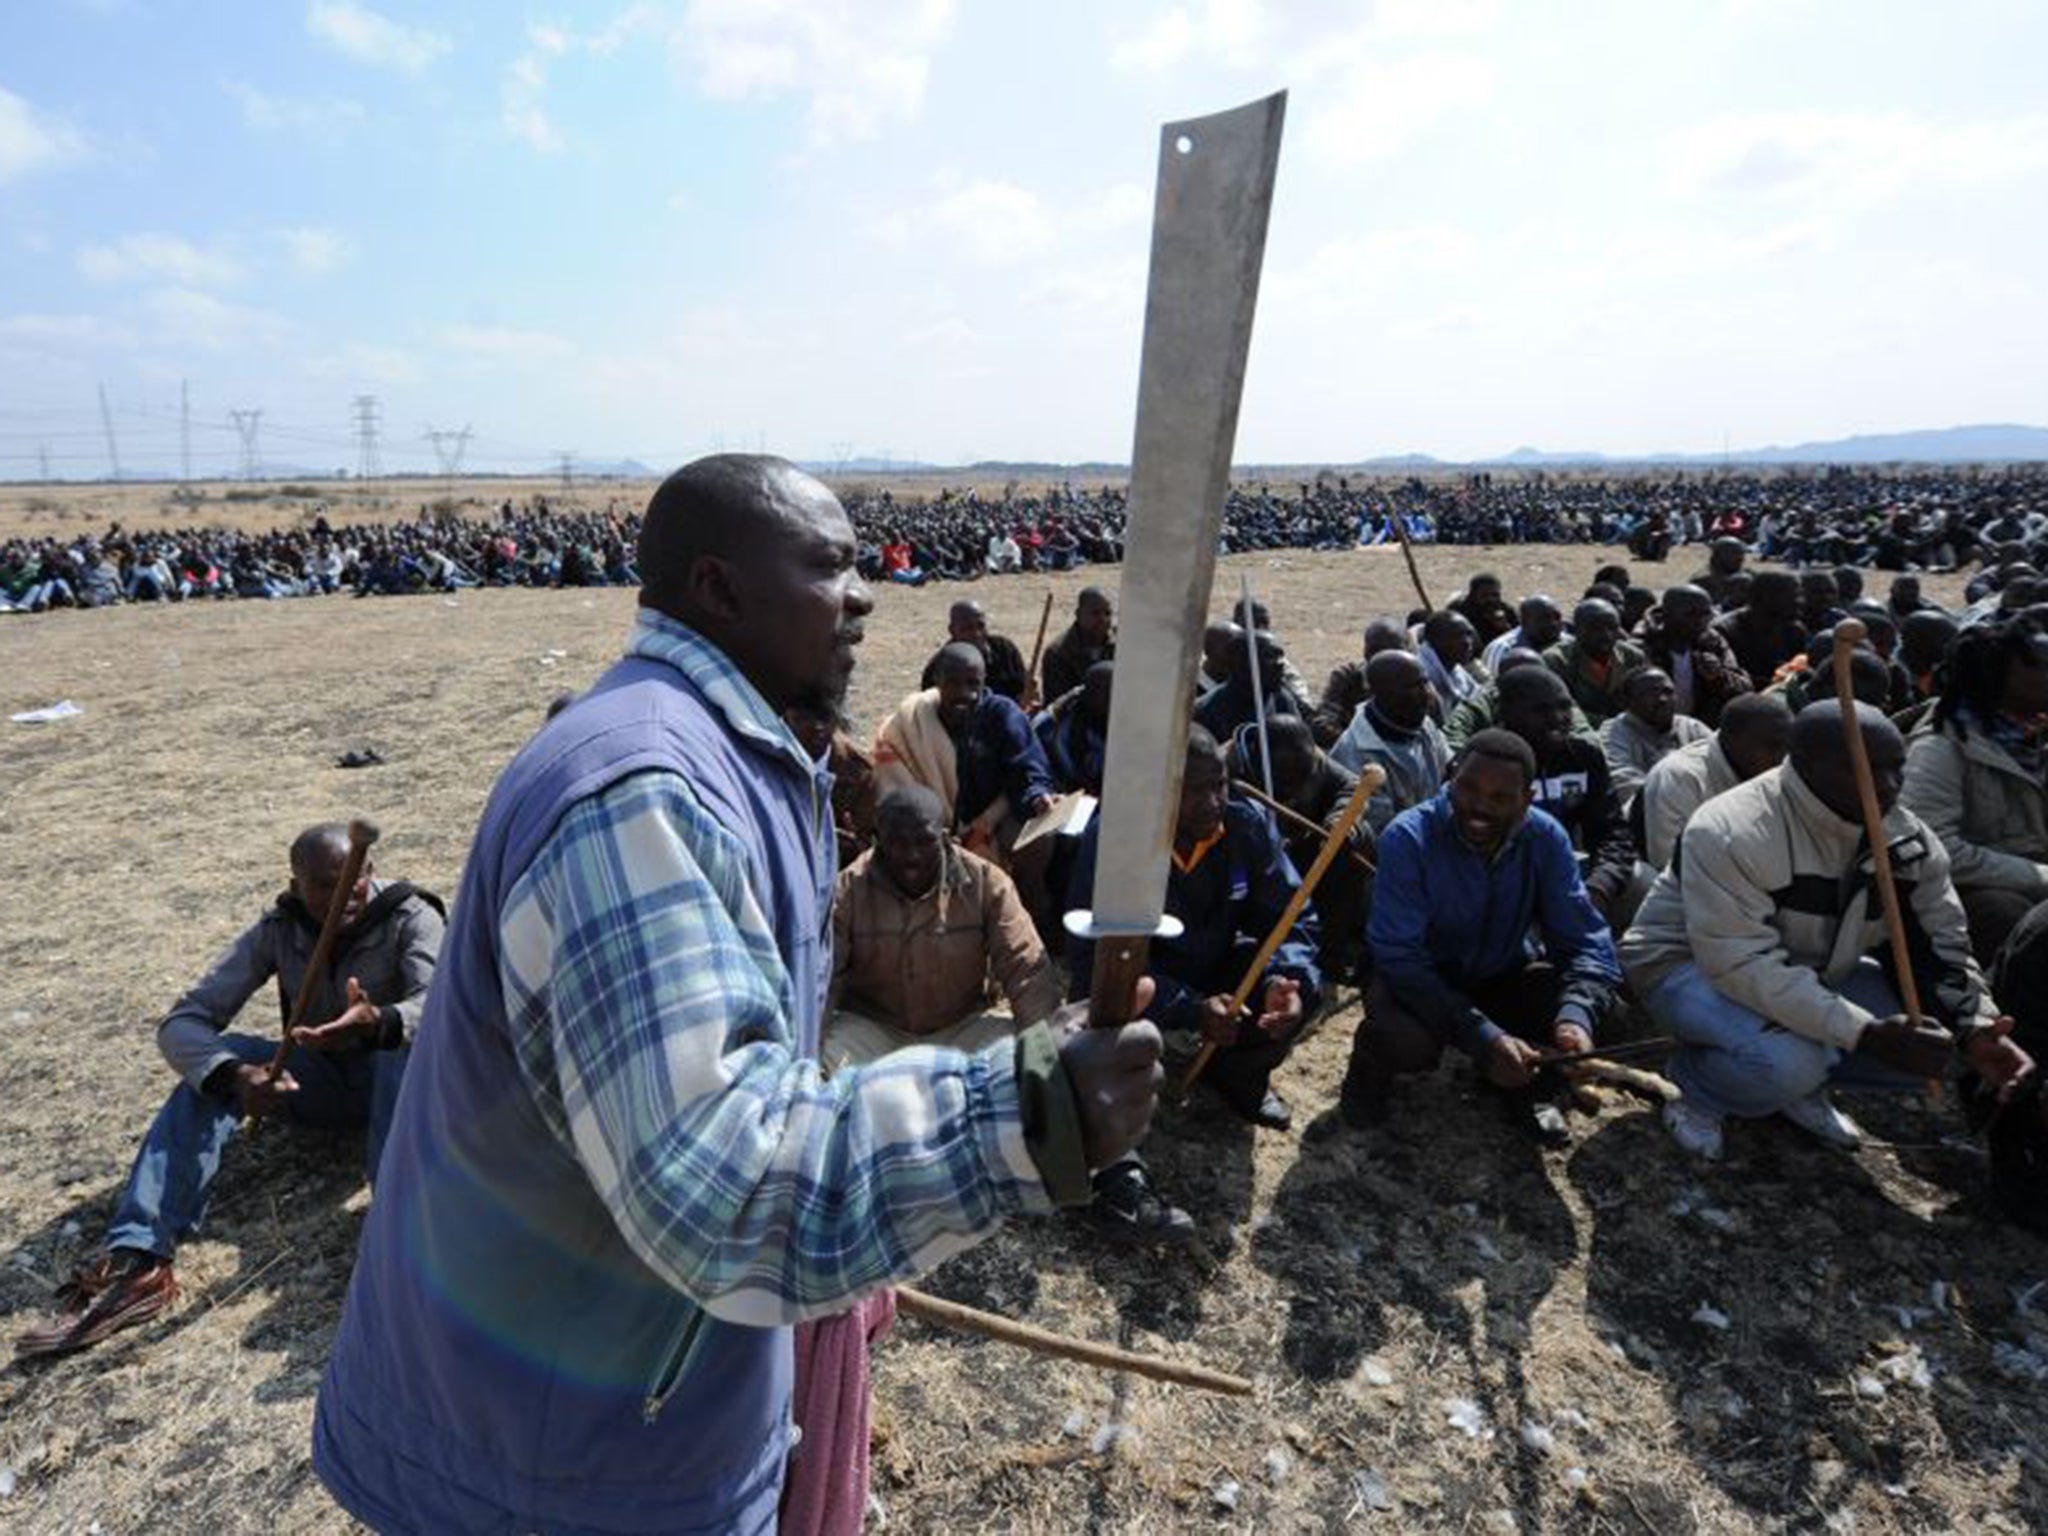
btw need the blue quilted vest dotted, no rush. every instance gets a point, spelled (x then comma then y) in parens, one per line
(504, 1361)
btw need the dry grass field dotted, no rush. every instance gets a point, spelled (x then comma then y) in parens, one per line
(1795, 1340)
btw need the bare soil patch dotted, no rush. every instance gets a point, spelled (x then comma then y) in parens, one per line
(1553, 1301)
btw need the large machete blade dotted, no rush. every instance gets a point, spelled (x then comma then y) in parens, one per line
(1208, 241)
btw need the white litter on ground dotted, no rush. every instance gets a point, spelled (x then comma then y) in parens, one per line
(63, 709)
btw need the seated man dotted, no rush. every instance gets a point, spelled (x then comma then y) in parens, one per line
(342, 1073)
(967, 624)
(1089, 639)
(1074, 731)
(1228, 882)
(1594, 660)
(1541, 627)
(1977, 774)
(1393, 729)
(1482, 710)
(1756, 730)
(1762, 948)
(918, 928)
(1765, 632)
(1573, 785)
(1316, 789)
(1449, 646)
(822, 730)
(1223, 709)
(1648, 730)
(1678, 635)
(1465, 881)
(971, 747)
(1349, 687)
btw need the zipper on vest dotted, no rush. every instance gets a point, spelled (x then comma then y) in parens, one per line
(675, 1364)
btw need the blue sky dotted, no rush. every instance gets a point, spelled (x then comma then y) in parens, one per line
(919, 227)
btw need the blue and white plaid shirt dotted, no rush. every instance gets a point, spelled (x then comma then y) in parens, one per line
(652, 1018)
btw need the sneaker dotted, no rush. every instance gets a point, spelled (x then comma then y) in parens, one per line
(1129, 1210)
(135, 1295)
(1268, 1109)
(1694, 1129)
(1817, 1116)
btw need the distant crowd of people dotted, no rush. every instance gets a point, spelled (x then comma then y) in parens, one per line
(1923, 519)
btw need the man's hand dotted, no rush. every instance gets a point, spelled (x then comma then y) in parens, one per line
(1511, 1063)
(1115, 1074)
(1282, 1006)
(357, 1025)
(1571, 1037)
(1922, 1052)
(1219, 1022)
(1993, 1056)
(1037, 806)
(259, 1094)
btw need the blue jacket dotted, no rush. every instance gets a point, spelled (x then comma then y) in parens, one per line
(1229, 902)
(999, 756)
(1444, 917)
(505, 1360)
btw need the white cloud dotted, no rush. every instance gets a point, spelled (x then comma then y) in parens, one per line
(520, 95)
(293, 114)
(157, 257)
(1256, 35)
(315, 251)
(40, 332)
(1221, 31)
(863, 64)
(31, 142)
(1379, 108)
(1844, 160)
(998, 221)
(184, 317)
(370, 37)
(505, 344)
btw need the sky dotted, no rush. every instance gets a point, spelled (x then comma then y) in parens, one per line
(918, 229)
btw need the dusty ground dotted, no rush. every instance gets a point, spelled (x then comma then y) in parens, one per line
(1560, 1295)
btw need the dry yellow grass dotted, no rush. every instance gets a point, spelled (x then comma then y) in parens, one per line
(1364, 1292)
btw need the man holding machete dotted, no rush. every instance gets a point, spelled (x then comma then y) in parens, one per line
(618, 1177)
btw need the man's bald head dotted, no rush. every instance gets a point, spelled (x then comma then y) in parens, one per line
(324, 842)
(959, 659)
(717, 506)
(1386, 635)
(910, 807)
(1821, 757)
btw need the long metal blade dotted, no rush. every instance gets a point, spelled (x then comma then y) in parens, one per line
(1208, 242)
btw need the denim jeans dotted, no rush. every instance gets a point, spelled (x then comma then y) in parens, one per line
(1731, 1061)
(167, 1188)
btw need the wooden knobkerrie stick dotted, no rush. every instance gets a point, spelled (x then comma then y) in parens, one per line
(950, 1314)
(1287, 813)
(1848, 635)
(1370, 778)
(361, 834)
(1408, 553)
(1037, 651)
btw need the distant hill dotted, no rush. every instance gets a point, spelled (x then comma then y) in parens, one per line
(1987, 444)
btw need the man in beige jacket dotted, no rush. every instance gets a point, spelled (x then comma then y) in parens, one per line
(1759, 948)
(919, 927)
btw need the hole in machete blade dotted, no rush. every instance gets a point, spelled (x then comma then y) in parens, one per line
(1185, 144)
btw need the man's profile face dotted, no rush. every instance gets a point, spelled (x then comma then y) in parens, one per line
(1489, 798)
(1542, 625)
(1832, 775)
(798, 590)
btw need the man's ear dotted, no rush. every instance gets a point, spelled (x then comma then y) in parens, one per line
(714, 589)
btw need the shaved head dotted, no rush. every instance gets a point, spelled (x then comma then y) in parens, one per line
(1821, 757)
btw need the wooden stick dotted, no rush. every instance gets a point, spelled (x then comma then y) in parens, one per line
(1622, 1052)
(950, 1314)
(1848, 635)
(1030, 701)
(1251, 656)
(1288, 813)
(361, 834)
(1370, 778)
(1408, 553)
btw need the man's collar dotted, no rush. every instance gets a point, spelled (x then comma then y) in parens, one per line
(658, 637)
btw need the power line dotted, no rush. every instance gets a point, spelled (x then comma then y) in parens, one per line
(449, 446)
(368, 465)
(184, 432)
(567, 459)
(248, 424)
(107, 425)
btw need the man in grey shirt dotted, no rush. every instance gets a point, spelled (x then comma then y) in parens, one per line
(339, 1074)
